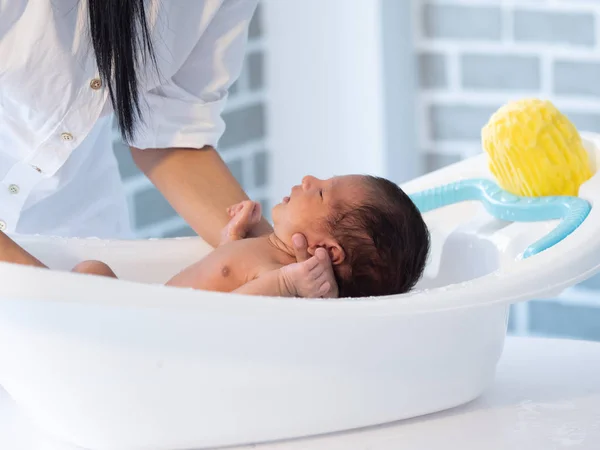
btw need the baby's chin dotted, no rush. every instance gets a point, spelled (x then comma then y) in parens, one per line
(276, 213)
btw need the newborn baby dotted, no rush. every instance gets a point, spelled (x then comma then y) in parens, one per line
(374, 235)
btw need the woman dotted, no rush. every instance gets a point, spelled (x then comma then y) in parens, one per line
(162, 67)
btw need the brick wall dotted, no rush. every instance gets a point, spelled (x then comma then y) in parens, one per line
(242, 147)
(474, 56)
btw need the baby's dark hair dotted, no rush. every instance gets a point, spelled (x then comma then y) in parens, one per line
(385, 240)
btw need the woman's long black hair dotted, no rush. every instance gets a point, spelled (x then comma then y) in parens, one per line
(121, 39)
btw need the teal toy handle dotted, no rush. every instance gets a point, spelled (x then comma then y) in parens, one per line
(572, 211)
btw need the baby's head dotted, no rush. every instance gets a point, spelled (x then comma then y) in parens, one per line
(374, 234)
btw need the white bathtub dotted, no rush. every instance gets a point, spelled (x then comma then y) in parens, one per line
(130, 365)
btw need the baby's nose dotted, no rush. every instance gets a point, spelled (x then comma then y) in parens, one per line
(308, 181)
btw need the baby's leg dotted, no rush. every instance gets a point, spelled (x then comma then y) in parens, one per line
(94, 268)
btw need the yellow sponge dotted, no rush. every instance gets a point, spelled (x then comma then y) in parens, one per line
(534, 150)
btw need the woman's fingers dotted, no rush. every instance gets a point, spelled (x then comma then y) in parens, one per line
(300, 247)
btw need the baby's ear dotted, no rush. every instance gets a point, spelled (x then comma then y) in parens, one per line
(311, 249)
(334, 250)
(336, 253)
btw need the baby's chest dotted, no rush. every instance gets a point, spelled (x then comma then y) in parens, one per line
(224, 270)
(240, 266)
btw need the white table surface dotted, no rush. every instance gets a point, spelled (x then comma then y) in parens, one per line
(546, 396)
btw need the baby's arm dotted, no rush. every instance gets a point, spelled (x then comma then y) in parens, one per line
(303, 279)
(270, 284)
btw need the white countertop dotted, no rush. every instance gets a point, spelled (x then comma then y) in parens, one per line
(546, 396)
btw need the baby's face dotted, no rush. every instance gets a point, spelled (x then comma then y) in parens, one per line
(311, 203)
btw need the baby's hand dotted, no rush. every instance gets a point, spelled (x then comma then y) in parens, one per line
(310, 278)
(243, 216)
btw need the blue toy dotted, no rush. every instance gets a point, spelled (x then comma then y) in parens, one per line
(572, 211)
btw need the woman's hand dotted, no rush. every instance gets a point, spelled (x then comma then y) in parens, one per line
(310, 276)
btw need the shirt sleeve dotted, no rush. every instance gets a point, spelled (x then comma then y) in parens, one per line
(185, 110)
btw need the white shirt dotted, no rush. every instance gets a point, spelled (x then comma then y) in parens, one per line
(58, 173)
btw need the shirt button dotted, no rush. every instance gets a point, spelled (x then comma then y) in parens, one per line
(2, 225)
(13, 189)
(96, 84)
(66, 137)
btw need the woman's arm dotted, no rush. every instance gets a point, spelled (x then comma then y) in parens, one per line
(12, 252)
(182, 119)
(199, 186)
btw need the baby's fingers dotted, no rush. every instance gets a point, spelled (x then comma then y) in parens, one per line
(244, 212)
(234, 209)
(323, 256)
(326, 264)
(324, 289)
(311, 264)
(256, 213)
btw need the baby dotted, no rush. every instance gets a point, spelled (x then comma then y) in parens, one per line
(374, 235)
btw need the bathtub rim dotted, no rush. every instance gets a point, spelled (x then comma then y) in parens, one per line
(544, 274)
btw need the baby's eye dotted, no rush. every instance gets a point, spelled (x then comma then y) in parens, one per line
(321, 192)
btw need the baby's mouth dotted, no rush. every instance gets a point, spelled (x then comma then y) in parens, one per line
(286, 199)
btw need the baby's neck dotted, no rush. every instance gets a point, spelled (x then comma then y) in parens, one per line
(282, 252)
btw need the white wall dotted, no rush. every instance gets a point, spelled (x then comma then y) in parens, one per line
(326, 88)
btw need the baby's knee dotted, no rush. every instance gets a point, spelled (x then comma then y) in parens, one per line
(92, 267)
